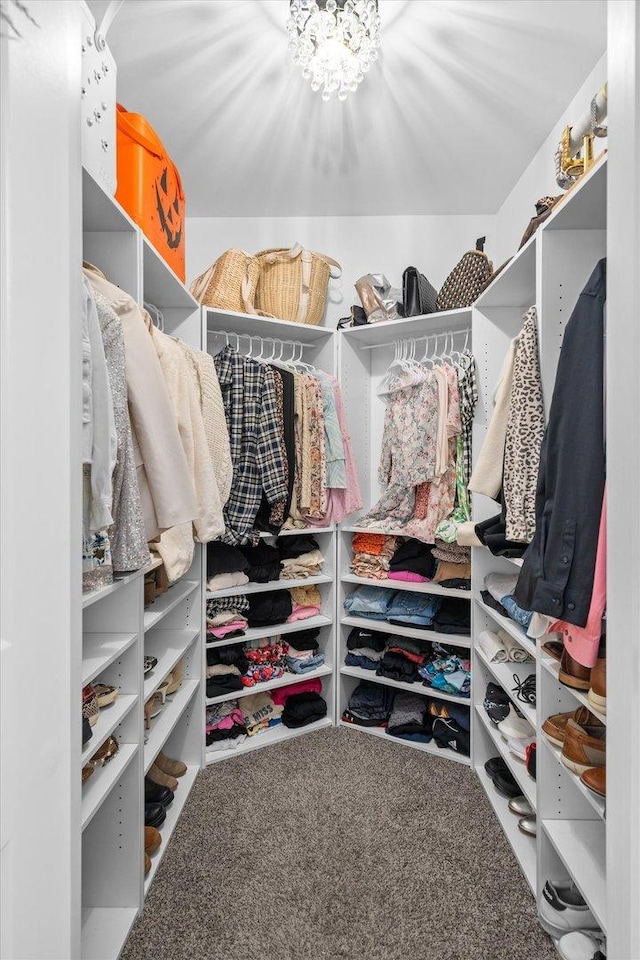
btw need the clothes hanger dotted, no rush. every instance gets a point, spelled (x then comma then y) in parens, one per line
(156, 315)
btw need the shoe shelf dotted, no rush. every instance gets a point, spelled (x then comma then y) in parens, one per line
(516, 766)
(168, 646)
(163, 724)
(552, 667)
(302, 531)
(93, 596)
(97, 788)
(99, 650)
(581, 845)
(361, 674)
(271, 585)
(262, 633)
(167, 601)
(598, 803)
(109, 718)
(267, 738)
(181, 796)
(429, 588)
(523, 846)
(503, 674)
(105, 931)
(510, 627)
(443, 752)
(289, 678)
(383, 626)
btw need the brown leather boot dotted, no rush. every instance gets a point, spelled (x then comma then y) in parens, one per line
(583, 748)
(173, 768)
(147, 864)
(152, 840)
(156, 774)
(596, 779)
(597, 695)
(573, 674)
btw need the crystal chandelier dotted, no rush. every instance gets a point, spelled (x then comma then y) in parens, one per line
(335, 42)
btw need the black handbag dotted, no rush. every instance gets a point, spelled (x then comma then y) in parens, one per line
(418, 296)
(357, 318)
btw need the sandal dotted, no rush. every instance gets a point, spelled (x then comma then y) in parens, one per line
(87, 771)
(106, 694)
(106, 752)
(150, 663)
(176, 677)
(90, 706)
(152, 708)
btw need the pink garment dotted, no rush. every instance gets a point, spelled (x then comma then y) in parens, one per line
(407, 576)
(341, 501)
(282, 694)
(582, 643)
(303, 613)
(227, 628)
(236, 716)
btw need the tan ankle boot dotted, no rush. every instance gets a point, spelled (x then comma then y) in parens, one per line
(157, 775)
(174, 768)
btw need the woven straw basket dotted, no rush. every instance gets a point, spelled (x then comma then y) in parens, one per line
(230, 283)
(293, 284)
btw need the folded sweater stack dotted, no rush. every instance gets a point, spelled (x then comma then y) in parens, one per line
(226, 566)
(372, 553)
(412, 562)
(300, 557)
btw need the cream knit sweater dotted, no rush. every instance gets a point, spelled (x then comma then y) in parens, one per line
(487, 474)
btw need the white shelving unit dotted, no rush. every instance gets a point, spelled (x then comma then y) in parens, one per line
(118, 631)
(549, 271)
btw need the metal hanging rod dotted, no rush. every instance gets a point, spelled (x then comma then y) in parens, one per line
(228, 335)
(400, 340)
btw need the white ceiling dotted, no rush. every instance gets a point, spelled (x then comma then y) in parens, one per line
(463, 94)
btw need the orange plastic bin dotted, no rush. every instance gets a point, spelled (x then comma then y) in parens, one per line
(150, 188)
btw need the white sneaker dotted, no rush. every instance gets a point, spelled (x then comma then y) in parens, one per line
(518, 746)
(582, 946)
(562, 909)
(514, 726)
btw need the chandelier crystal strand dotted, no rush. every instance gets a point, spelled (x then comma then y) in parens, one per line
(334, 42)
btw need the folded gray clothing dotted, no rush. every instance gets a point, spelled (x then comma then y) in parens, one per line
(371, 701)
(408, 710)
(500, 585)
(368, 652)
(410, 644)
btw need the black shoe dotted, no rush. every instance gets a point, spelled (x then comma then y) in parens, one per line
(154, 815)
(496, 703)
(526, 689)
(156, 793)
(494, 766)
(506, 785)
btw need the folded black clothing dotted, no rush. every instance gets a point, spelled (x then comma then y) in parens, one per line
(296, 546)
(304, 639)
(357, 721)
(414, 557)
(410, 714)
(453, 616)
(263, 562)
(456, 583)
(230, 656)
(266, 609)
(223, 684)
(359, 637)
(492, 533)
(303, 708)
(448, 734)
(232, 733)
(371, 701)
(414, 626)
(396, 667)
(491, 601)
(223, 558)
(461, 715)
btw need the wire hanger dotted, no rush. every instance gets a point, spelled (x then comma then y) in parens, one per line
(156, 315)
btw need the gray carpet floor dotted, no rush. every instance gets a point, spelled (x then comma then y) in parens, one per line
(338, 846)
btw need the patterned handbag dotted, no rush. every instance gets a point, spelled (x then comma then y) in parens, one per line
(464, 283)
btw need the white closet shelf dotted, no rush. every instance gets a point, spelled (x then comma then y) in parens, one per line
(419, 688)
(516, 766)
(302, 531)
(168, 646)
(430, 588)
(516, 561)
(585, 205)
(97, 788)
(99, 650)
(399, 532)
(516, 285)
(553, 667)
(431, 748)
(287, 680)
(510, 627)
(162, 726)
(383, 626)
(94, 595)
(153, 565)
(162, 286)
(266, 587)
(523, 846)
(262, 633)
(246, 323)
(598, 803)
(101, 213)
(581, 845)
(185, 783)
(110, 717)
(167, 601)
(373, 334)
(503, 673)
(267, 738)
(105, 930)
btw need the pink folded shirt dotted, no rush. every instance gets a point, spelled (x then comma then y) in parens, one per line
(227, 628)
(282, 694)
(236, 716)
(408, 576)
(303, 613)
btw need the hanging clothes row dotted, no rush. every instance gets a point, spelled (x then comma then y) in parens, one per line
(292, 461)
(157, 461)
(426, 442)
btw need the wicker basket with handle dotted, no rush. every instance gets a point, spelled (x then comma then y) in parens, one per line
(293, 284)
(230, 283)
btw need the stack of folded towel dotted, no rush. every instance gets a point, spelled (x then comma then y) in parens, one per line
(500, 647)
(300, 557)
(372, 554)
